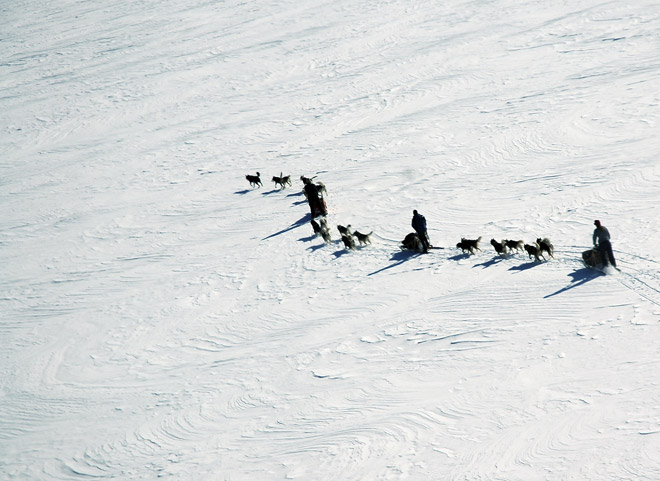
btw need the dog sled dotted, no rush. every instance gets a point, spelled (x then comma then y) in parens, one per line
(412, 242)
(592, 259)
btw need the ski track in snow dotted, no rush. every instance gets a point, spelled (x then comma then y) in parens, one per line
(162, 319)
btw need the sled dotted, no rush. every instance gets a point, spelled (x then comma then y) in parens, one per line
(592, 260)
(412, 243)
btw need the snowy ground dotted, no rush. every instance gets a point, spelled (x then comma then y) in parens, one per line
(161, 319)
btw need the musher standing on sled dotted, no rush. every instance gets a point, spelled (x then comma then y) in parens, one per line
(601, 240)
(419, 224)
(315, 199)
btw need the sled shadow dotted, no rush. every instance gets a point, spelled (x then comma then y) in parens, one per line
(399, 258)
(304, 220)
(578, 278)
(490, 263)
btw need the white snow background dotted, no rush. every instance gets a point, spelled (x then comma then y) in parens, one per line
(161, 319)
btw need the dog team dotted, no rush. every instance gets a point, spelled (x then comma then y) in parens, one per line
(315, 193)
(419, 241)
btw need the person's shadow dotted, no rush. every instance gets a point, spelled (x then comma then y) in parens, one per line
(578, 278)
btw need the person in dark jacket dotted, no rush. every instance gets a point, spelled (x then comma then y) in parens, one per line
(419, 224)
(315, 199)
(601, 240)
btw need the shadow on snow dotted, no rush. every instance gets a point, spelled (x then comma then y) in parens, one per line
(525, 266)
(578, 278)
(400, 257)
(490, 263)
(302, 221)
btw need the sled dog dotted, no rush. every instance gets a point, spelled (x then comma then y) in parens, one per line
(534, 251)
(500, 247)
(546, 246)
(469, 245)
(282, 181)
(254, 180)
(512, 245)
(363, 239)
(348, 241)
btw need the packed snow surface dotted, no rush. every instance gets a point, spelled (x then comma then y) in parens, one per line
(162, 319)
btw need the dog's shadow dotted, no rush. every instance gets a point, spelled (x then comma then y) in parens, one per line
(398, 258)
(578, 278)
(243, 192)
(460, 257)
(341, 252)
(308, 239)
(274, 191)
(525, 266)
(490, 263)
(316, 247)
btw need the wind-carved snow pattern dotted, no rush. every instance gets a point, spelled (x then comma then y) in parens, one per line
(161, 318)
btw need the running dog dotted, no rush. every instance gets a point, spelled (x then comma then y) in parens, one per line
(348, 241)
(344, 230)
(500, 247)
(325, 230)
(469, 245)
(282, 180)
(254, 180)
(512, 245)
(534, 251)
(306, 180)
(316, 226)
(363, 239)
(321, 228)
(546, 246)
(320, 186)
